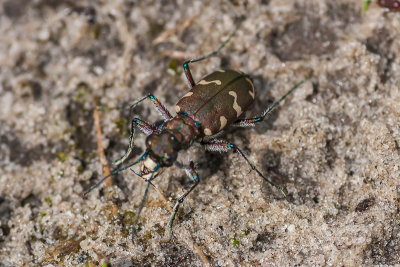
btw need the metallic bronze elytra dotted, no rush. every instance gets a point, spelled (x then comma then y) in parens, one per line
(211, 105)
(217, 100)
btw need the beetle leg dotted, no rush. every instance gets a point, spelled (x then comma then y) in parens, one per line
(192, 173)
(160, 107)
(115, 171)
(250, 122)
(224, 146)
(145, 128)
(142, 125)
(186, 68)
(143, 199)
(208, 138)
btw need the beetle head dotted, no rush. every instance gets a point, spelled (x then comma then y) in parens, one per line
(163, 148)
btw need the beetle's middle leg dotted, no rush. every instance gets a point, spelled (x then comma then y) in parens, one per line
(224, 146)
(145, 127)
(186, 68)
(250, 122)
(192, 173)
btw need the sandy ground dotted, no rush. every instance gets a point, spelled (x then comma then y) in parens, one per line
(333, 144)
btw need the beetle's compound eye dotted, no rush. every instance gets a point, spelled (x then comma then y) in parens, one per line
(150, 140)
(172, 140)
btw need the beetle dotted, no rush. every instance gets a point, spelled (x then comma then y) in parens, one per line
(391, 4)
(214, 103)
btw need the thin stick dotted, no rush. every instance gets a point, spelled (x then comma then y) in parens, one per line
(201, 254)
(103, 159)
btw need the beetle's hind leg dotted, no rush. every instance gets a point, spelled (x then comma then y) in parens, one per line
(252, 121)
(145, 127)
(186, 68)
(192, 173)
(224, 146)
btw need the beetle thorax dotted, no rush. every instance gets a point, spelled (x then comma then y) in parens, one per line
(184, 128)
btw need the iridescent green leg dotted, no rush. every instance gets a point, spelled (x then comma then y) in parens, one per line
(143, 199)
(160, 107)
(142, 125)
(115, 171)
(186, 68)
(191, 172)
(250, 122)
(145, 128)
(224, 146)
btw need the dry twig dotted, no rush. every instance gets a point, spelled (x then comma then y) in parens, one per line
(103, 159)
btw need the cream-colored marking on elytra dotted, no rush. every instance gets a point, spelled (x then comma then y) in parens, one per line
(235, 104)
(204, 82)
(220, 70)
(252, 88)
(207, 131)
(251, 94)
(188, 94)
(223, 121)
(177, 109)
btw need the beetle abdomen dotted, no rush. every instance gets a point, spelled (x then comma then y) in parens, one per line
(218, 100)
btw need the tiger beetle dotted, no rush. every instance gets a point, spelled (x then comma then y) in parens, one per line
(212, 104)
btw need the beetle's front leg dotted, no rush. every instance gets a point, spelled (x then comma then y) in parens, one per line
(145, 127)
(159, 106)
(224, 146)
(142, 125)
(192, 173)
(149, 182)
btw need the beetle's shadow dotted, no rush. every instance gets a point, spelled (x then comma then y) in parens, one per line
(271, 165)
(210, 163)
